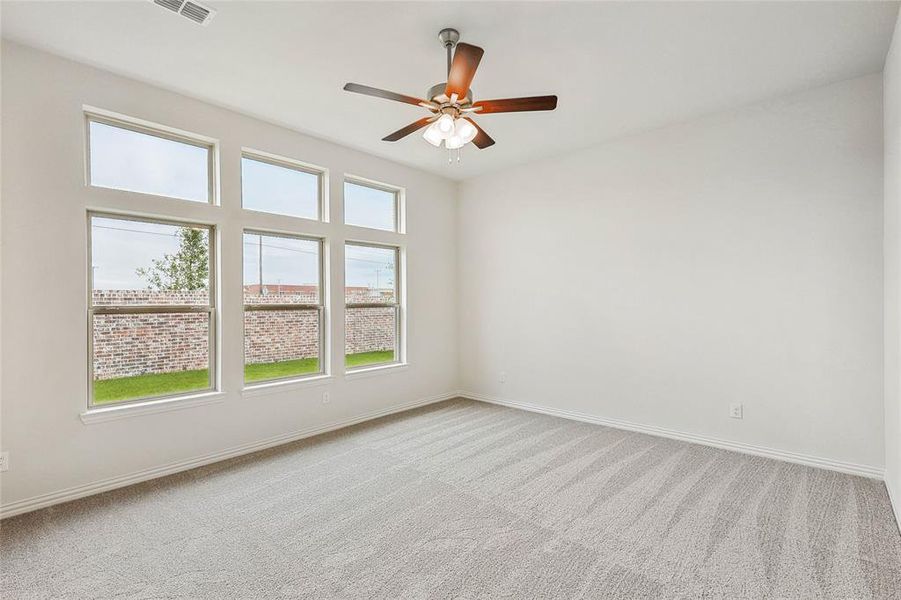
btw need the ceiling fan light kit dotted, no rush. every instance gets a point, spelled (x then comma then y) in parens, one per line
(451, 103)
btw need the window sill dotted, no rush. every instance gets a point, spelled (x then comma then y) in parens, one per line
(364, 372)
(111, 413)
(275, 387)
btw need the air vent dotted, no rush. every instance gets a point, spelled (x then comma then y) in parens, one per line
(173, 5)
(193, 11)
(197, 13)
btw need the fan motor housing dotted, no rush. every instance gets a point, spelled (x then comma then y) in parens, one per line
(436, 95)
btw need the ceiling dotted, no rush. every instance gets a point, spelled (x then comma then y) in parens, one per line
(617, 67)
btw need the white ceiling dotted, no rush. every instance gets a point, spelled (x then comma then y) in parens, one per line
(617, 67)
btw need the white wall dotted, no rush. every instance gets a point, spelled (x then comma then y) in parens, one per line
(655, 279)
(44, 283)
(661, 277)
(892, 103)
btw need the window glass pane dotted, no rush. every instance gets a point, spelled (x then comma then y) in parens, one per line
(139, 263)
(280, 344)
(123, 159)
(149, 354)
(369, 274)
(280, 270)
(369, 207)
(280, 190)
(370, 335)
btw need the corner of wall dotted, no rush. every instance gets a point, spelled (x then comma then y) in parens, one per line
(458, 278)
(892, 269)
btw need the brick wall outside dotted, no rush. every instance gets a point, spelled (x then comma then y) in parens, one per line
(271, 335)
(137, 344)
(149, 343)
(368, 329)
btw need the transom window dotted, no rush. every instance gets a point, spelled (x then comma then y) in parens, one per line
(283, 309)
(370, 205)
(280, 187)
(372, 310)
(128, 157)
(151, 309)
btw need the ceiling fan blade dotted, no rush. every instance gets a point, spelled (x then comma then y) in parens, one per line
(463, 69)
(405, 131)
(516, 104)
(482, 140)
(371, 91)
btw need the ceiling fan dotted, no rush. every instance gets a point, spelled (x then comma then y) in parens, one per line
(451, 102)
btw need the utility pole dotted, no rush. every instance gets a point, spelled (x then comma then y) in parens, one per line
(260, 262)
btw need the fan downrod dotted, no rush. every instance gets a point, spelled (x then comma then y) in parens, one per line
(449, 38)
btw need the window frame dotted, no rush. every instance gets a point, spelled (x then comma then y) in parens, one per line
(321, 309)
(399, 202)
(92, 115)
(210, 309)
(397, 305)
(275, 160)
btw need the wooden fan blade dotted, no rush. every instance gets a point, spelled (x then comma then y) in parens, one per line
(405, 131)
(516, 104)
(371, 91)
(463, 69)
(482, 140)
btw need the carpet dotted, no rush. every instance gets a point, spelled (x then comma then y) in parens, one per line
(468, 500)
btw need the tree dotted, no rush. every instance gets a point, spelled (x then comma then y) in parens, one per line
(186, 270)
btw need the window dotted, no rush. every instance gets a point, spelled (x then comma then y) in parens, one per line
(372, 311)
(279, 187)
(135, 159)
(369, 205)
(283, 310)
(151, 309)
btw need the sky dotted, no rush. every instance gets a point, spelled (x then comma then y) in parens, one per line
(128, 160)
(120, 247)
(270, 188)
(369, 207)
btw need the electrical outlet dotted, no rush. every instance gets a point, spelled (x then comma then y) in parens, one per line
(502, 377)
(325, 398)
(736, 411)
(4, 461)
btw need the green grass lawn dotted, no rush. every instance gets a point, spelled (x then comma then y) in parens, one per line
(162, 384)
(368, 358)
(278, 370)
(157, 384)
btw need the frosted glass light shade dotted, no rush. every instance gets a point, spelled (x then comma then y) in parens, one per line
(465, 130)
(432, 135)
(445, 125)
(454, 142)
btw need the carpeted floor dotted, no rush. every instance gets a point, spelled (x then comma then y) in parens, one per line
(468, 500)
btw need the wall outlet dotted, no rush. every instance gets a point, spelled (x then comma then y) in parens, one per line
(502, 377)
(736, 411)
(325, 398)
(4, 461)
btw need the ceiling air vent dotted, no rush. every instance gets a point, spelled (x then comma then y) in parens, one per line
(193, 11)
(197, 13)
(173, 5)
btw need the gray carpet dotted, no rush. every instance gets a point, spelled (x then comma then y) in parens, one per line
(468, 500)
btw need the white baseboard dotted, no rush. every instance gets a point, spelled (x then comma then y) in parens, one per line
(794, 457)
(73, 493)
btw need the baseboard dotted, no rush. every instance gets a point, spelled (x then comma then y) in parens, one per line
(803, 459)
(73, 493)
